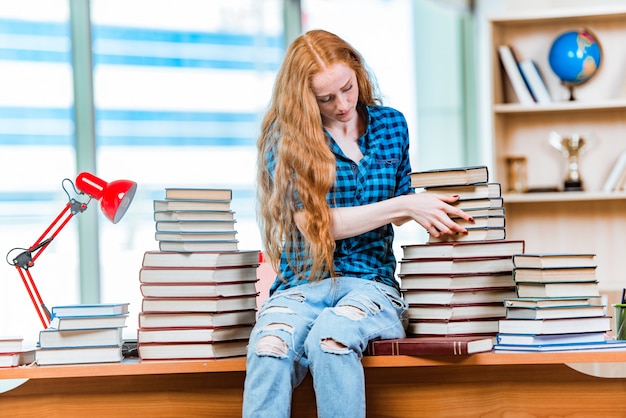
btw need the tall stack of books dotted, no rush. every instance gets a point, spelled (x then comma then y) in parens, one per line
(456, 285)
(12, 352)
(199, 290)
(557, 307)
(83, 333)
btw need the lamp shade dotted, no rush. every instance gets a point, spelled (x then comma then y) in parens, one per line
(114, 197)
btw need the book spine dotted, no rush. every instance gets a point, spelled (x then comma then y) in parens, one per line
(514, 75)
(397, 348)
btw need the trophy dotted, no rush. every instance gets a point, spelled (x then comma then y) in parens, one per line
(571, 147)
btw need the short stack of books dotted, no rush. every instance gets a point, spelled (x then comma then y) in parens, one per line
(199, 297)
(12, 352)
(84, 333)
(195, 219)
(456, 285)
(557, 307)
(477, 196)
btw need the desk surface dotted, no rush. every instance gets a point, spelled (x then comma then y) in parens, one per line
(131, 367)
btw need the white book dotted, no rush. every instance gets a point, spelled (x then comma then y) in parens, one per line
(514, 75)
(534, 81)
(612, 180)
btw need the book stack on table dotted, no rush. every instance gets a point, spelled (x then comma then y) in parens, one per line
(199, 300)
(12, 352)
(456, 285)
(84, 333)
(558, 307)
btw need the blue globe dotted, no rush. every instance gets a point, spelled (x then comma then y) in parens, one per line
(575, 57)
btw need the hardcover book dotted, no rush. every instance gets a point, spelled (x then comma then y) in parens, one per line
(189, 290)
(552, 275)
(193, 335)
(603, 345)
(457, 297)
(451, 328)
(198, 246)
(456, 249)
(196, 304)
(481, 222)
(149, 320)
(457, 312)
(534, 81)
(197, 274)
(456, 265)
(475, 191)
(479, 203)
(196, 226)
(554, 260)
(555, 312)
(190, 204)
(430, 346)
(90, 309)
(54, 338)
(18, 358)
(450, 176)
(194, 215)
(220, 236)
(198, 193)
(11, 343)
(79, 355)
(539, 339)
(446, 281)
(191, 351)
(514, 75)
(564, 289)
(201, 259)
(84, 322)
(555, 326)
(473, 234)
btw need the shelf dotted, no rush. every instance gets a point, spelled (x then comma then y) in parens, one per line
(560, 107)
(561, 197)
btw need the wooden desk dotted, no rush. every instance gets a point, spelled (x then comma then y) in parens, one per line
(486, 385)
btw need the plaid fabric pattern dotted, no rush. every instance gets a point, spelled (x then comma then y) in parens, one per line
(382, 173)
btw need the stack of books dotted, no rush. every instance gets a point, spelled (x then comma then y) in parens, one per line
(83, 333)
(557, 307)
(456, 286)
(199, 299)
(12, 352)
(477, 196)
(195, 219)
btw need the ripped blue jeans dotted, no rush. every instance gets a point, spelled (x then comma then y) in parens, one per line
(323, 327)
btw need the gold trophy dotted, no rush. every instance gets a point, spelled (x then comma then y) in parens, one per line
(571, 147)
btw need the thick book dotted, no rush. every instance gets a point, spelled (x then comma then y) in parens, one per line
(198, 193)
(473, 234)
(457, 312)
(538, 339)
(555, 326)
(197, 274)
(457, 281)
(556, 274)
(564, 289)
(456, 249)
(11, 343)
(201, 259)
(554, 260)
(54, 338)
(479, 203)
(190, 290)
(196, 236)
(196, 304)
(79, 355)
(148, 320)
(198, 246)
(542, 302)
(18, 358)
(456, 265)
(464, 327)
(196, 226)
(430, 346)
(450, 176)
(480, 212)
(191, 351)
(85, 322)
(534, 81)
(514, 75)
(582, 311)
(595, 346)
(194, 215)
(90, 309)
(474, 191)
(457, 297)
(190, 204)
(193, 335)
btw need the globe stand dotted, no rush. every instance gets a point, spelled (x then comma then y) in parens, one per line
(570, 88)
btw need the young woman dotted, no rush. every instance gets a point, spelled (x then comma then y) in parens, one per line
(333, 176)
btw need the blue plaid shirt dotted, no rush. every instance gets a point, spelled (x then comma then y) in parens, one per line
(382, 173)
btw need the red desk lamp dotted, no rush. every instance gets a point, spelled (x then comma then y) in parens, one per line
(115, 198)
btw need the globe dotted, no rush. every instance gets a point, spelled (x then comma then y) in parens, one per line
(575, 57)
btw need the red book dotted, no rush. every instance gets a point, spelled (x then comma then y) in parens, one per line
(430, 346)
